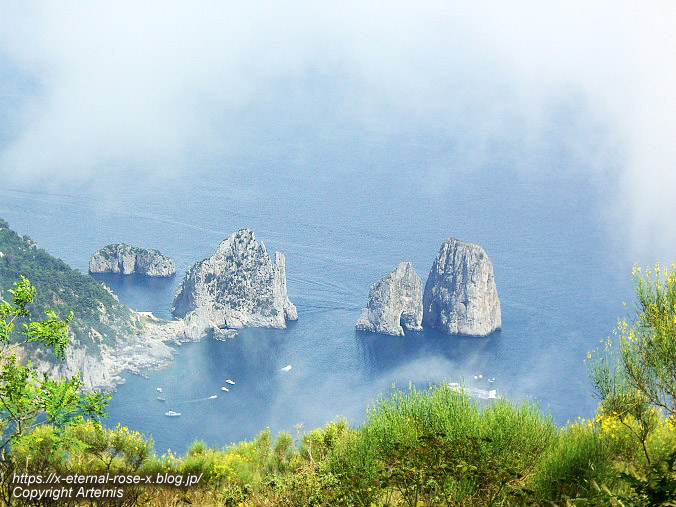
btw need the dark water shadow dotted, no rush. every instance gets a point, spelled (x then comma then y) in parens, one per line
(142, 293)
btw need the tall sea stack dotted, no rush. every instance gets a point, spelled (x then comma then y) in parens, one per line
(395, 303)
(460, 296)
(239, 286)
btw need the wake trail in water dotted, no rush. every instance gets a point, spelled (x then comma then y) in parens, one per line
(167, 402)
(47, 198)
(335, 305)
(323, 285)
(196, 400)
(33, 193)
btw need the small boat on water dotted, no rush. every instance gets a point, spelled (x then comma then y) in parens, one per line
(159, 398)
(232, 382)
(286, 368)
(159, 389)
(484, 394)
(213, 397)
(224, 389)
(171, 413)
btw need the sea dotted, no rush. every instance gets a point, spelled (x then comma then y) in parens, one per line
(345, 210)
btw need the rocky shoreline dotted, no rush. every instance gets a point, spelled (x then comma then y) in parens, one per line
(152, 349)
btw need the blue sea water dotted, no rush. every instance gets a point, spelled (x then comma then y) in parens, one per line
(344, 217)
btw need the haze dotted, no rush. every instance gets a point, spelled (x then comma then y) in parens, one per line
(93, 93)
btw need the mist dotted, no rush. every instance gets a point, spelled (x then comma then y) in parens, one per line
(96, 93)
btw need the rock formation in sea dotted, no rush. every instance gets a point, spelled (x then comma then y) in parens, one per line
(105, 337)
(127, 260)
(460, 295)
(395, 302)
(239, 286)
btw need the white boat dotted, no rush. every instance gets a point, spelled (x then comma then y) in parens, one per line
(159, 398)
(213, 397)
(224, 389)
(483, 394)
(232, 382)
(286, 368)
(491, 380)
(159, 389)
(171, 413)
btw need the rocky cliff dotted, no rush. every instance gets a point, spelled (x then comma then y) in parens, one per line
(394, 301)
(101, 365)
(239, 286)
(127, 260)
(106, 337)
(460, 295)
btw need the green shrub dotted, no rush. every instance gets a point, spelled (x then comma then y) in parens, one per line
(319, 443)
(439, 446)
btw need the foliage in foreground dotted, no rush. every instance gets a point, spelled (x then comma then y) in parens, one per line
(417, 448)
(435, 447)
(28, 398)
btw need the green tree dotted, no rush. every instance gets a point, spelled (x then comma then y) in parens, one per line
(635, 378)
(638, 371)
(648, 352)
(29, 398)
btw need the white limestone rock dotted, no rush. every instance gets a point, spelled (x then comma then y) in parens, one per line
(126, 260)
(223, 334)
(394, 301)
(460, 294)
(148, 346)
(239, 286)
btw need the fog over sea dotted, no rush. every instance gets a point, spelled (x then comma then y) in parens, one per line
(560, 285)
(349, 137)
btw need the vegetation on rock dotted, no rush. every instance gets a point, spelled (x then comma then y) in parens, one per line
(99, 317)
